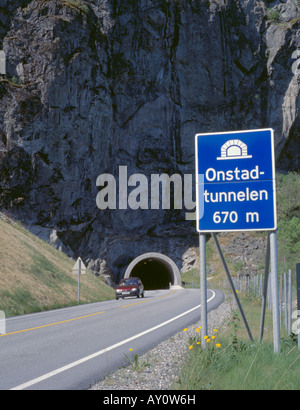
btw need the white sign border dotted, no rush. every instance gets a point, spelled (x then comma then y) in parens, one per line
(273, 182)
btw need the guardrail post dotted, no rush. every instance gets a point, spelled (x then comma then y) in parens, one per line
(275, 291)
(290, 303)
(298, 301)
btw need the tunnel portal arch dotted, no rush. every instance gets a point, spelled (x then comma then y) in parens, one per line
(156, 271)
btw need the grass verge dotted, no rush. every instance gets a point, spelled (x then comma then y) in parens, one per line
(34, 276)
(229, 361)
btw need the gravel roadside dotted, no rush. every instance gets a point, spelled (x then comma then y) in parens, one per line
(159, 368)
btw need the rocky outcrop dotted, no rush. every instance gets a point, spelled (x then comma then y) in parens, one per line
(97, 84)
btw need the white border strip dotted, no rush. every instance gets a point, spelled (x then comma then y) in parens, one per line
(199, 230)
(100, 352)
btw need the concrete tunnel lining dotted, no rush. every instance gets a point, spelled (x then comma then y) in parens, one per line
(155, 270)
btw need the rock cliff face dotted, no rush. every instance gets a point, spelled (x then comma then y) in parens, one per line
(97, 84)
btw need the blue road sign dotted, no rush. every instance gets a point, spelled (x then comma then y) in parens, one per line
(235, 181)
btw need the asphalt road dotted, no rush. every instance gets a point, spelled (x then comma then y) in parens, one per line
(72, 348)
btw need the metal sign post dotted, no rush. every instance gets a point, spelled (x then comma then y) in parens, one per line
(265, 292)
(271, 256)
(236, 192)
(203, 287)
(79, 268)
(79, 273)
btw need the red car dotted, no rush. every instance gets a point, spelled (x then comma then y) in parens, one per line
(130, 287)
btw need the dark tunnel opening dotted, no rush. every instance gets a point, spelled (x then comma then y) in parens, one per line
(153, 273)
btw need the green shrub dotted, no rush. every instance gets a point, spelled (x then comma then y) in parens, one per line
(273, 15)
(77, 4)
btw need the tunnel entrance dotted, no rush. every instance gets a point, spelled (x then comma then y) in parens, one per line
(156, 271)
(153, 274)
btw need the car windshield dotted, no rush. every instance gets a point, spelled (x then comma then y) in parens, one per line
(129, 282)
